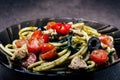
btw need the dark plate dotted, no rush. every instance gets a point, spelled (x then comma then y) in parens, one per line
(11, 33)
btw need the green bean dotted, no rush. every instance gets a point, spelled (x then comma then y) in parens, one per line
(91, 64)
(78, 39)
(62, 52)
(80, 52)
(91, 31)
(25, 34)
(40, 62)
(59, 44)
(14, 43)
(21, 35)
(6, 51)
(87, 56)
(85, 34)
(10, 48)
(35, 64)
(49, 65)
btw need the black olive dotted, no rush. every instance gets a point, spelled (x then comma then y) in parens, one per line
(94, 43)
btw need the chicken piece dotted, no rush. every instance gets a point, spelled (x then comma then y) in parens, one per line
(19, 54)
(77, 63)
(49, 32)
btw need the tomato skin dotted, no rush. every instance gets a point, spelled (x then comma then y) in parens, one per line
(20, 42)
(34, 45)
(50, 55)
(62, 29)
(37, 33)
(45, 38)
(106, 40)
(59, 24)
(30, 60)
(46, 47)
(99, 56)
(68, 26)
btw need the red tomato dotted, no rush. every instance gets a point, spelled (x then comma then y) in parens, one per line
(51, 25)
(59, 24)
(45, 38)
(106, 40)
(20, 42)
(49, 55)
(34, 45)
(37, 33)
(30, 60)
(62, 29)
(99, 56)
(68, 26)
(46, 47)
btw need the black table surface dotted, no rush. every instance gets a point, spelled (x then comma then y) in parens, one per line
(16, 11)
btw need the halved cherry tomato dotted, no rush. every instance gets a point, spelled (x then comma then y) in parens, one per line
(59, 24)
(20, 42)
(106, 40)
(36, 40)
(34, 45)
(99, 56)
(62, 29)
(46, 47)
(37, 33)
(68, 26)
(50, 55)
(45, 38)
(30, 60)
(51, 24)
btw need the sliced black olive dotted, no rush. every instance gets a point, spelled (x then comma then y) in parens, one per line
(94, 43)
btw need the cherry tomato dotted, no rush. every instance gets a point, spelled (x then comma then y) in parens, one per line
(34, 45)
(59, 24)
(106, 40)
(51, 25)
(46, 47)
(50, 55)
(62, 29)
(30, 60)
(20, 42)
(99, 56)
(68, 26)
(45, 38)
(37, 33)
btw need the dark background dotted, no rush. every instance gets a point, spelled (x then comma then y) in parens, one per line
(106, 11)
